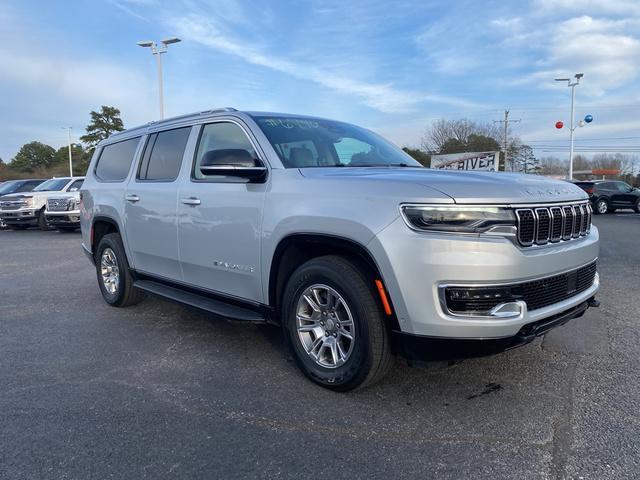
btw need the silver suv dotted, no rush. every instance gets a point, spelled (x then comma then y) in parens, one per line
(326, 229)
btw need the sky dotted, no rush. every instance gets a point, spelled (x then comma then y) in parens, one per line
(391, 66)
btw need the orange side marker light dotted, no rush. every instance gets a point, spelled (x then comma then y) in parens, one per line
(383, 297)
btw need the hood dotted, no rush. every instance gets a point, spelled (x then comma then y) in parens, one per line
(66, 195)
(16, 196)
(468, 187)
(37, 195)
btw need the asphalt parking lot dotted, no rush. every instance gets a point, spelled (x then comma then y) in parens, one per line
(160, 391)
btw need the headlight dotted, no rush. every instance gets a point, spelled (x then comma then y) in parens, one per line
(456, 218)
(73, 204)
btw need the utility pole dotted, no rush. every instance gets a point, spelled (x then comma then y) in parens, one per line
(506, 136)
(68, 129)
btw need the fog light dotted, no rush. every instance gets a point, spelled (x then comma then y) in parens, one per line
(482, 301)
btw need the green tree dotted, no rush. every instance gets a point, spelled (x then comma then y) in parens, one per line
(525, 161)
(473, 143)
(102, 125)
(33, 155)
(77, 156)
(482, 143)
(423, 157)
(453, 145)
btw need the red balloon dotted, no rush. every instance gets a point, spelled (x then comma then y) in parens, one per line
(559, 125)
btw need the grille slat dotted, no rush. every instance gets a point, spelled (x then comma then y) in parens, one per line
(543, 217)
(552, 224)
(556, 223)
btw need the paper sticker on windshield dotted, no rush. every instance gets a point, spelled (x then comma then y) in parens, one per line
(291, 123)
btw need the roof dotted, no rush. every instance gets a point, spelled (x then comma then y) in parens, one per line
(142, 129)
(189, 118)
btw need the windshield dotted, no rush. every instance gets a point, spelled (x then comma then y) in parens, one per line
(8, 187)
(52, 185)
(311, 142)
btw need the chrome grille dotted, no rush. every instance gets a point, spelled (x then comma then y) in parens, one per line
(542, 225)
(12, 204)
(57, 204)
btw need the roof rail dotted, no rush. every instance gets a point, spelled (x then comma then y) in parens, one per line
(216, 110)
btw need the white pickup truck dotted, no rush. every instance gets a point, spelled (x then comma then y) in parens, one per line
(27, 209)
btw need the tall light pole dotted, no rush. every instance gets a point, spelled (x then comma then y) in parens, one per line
(158, 51)
(572, 84)
(68, 129)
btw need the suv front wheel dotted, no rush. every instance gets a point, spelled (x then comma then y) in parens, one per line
(335, 325)
(114, 276)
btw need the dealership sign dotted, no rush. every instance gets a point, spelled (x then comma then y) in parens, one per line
(466, 161)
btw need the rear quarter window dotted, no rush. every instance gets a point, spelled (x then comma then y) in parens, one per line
(115, 160)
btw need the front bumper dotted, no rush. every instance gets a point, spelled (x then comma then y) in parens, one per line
(415, 265)
(422, 348)
(65, 218)
(21, 216)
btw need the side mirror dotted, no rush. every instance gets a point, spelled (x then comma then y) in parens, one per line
(233, 162)
(74, 189)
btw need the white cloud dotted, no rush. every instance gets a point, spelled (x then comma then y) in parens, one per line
(381, 96)
(607, 51)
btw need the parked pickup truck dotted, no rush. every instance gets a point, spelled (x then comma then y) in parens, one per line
(16, 186)
(348, 244)
(23, 210)
(63, 211)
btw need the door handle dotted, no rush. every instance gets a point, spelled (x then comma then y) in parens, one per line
(190, 201)
(132, 198)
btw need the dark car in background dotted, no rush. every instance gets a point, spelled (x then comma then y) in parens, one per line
(18, 186)
(608, 195)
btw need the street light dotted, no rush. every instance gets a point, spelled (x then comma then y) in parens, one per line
(573, 85)
(68, 129)
(158, 51)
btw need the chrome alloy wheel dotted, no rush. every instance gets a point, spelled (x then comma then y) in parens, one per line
(602, 207)
(109, 271)
(325, 326)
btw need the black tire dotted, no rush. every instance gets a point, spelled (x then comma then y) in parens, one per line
(125, 294)
(370, 357)
(42, 220)
(601, 206)
(637, 206)
(18, 227)
(67, 229)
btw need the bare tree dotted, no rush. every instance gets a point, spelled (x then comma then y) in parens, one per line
(553, 166)
(443, 131)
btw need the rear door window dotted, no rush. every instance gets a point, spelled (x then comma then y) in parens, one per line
(115, 160)
(163, 155)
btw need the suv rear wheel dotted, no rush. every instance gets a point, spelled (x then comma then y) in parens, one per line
(114, 276)
(334, 324)
(637, 206)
